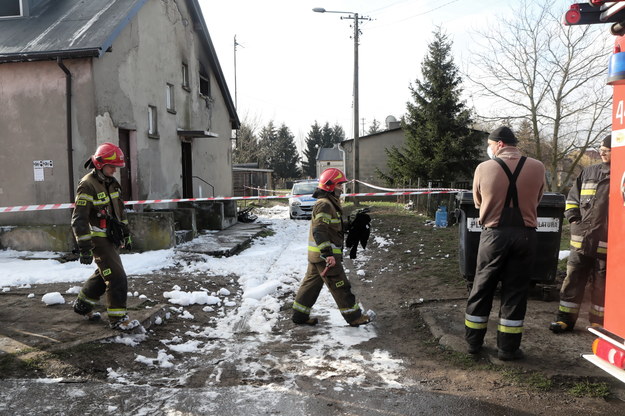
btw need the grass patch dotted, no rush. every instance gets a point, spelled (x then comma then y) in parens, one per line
(534, 380)
(586, 388)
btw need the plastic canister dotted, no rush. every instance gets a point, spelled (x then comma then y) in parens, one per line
(441, 216)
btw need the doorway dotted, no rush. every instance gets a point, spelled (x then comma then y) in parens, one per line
(187, 171)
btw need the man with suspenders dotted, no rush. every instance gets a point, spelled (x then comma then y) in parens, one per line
(506, 190)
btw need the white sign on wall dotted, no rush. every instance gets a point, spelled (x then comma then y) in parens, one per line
(38, 166)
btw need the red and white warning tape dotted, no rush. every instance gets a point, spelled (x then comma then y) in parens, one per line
(44, 207)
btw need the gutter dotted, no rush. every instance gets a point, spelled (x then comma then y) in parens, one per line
(70, 145)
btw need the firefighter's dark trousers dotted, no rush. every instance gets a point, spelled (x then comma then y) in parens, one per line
(109, 279)
(339, 287)
(581, 269)
(505, 254)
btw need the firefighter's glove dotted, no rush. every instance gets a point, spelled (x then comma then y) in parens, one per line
(127, 244)
(86, 256)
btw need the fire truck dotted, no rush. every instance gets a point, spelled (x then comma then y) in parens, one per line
(609, 346)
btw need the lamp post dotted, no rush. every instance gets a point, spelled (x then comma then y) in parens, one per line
(352, 16)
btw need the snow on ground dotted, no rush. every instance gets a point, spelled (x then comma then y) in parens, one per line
(267, 273)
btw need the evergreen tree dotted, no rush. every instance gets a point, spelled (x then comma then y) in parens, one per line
(285, 156)
(268, 138)
(319, 137)
(332, 135)
(313, 143)
(247, 149)
(278, 151)
(439, 145)
(374, 127)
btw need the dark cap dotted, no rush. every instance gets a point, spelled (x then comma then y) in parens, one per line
(504, 134)
(607, 141)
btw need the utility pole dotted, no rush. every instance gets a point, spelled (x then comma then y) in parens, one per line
(235, 71)
(356, 160)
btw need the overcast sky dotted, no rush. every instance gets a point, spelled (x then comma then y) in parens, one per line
(295, 66)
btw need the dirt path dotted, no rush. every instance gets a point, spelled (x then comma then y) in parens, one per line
(408, 276)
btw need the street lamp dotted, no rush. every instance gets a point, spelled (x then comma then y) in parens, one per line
(352, 16)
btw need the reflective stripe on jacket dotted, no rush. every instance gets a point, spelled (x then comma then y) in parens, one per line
(95, 192)
(325, 237)
(587, 202)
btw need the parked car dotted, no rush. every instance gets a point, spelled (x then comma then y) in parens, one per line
(301, 206)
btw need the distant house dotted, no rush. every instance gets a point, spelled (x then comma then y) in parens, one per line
(372, 155)
(142, 74)
(330, 157)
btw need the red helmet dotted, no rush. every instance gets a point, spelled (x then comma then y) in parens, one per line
(108, 154)
(330, 178)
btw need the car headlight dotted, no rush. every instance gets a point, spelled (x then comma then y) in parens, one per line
(296, 203)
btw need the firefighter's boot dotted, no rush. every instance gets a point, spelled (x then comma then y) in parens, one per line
(559, 327)
(86, 310)
(361, 320)
(124, 323)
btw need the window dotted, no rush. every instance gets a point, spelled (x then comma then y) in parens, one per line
(169, 98)
(205, 89)
(185, 77)
(152, 122)
(11, 8)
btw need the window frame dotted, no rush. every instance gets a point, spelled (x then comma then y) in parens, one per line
(170, 98)
(153, 122)
(204, 79)
(185, 77)
(21, 11)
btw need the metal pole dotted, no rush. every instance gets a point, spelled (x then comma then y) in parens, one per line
(356, 129)
(235, 71)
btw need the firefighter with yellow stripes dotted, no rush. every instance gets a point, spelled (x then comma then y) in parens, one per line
(506, 190)
(101, 228)
(587, 211)
(325, 255)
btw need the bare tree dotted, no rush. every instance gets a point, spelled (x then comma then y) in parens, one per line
(532, 68)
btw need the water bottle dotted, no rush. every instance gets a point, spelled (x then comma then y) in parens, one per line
(441, 216)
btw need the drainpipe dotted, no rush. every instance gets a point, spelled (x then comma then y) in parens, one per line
(68, 97)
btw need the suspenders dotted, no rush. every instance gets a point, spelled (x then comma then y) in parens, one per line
(511, 215)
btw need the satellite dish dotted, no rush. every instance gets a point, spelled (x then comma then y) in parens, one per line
(389, 120)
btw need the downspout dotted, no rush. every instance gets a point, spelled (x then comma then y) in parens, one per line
(70, 145)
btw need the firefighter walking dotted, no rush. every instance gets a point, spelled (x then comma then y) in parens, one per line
(101, 228)
(587, 211)
(325, 256)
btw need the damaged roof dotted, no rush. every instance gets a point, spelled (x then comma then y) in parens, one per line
(65, 28)
(69, 29)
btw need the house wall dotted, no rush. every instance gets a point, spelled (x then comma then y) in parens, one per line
(372, 155)
(144, 58)
(327, 164)
(33, 126)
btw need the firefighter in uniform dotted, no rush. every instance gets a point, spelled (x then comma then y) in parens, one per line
(587, 211)
(101, 228)
(325, 255)
(506, 190)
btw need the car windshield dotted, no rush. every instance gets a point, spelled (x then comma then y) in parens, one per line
(304, 188)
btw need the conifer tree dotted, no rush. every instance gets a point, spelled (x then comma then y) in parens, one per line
(313, 143)
(247, 149)
(279, 152)
(285, 156)
(440, 145)
(319, 137)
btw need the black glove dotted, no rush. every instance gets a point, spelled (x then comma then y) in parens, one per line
(86, 256)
